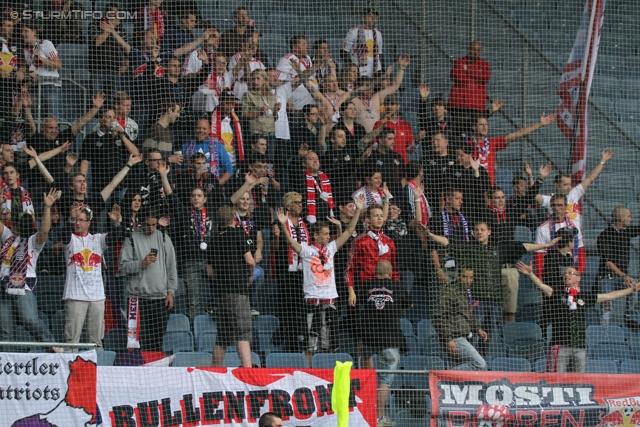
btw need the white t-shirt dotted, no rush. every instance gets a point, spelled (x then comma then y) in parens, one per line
(47, 51)
(543, 233)
(33, 251)
(283, 93)
(348, 46)
(370, 197)
(84, 267)
(301, 95)
(573, 205)
(319, 280)
(240, 83)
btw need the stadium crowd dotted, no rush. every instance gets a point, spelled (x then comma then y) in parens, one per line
(216, 177)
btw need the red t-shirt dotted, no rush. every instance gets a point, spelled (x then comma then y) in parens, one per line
(485, 153)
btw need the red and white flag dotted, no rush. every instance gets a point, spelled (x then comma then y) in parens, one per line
(575, 85)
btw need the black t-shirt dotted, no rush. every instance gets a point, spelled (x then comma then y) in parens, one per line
(93, 202)
(615, 246)
(340, 165)
(473, 192)
(384, 302)
(186, 181)
(437, 174)
(226, 257)
(56, 164)
(107, 156)
(359, 132)
(570, 326)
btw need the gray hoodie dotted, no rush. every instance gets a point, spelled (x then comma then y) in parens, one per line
(157, 280)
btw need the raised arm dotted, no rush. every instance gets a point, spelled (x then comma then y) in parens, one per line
(526, 270)
(163, 170)
(344, 237)
(595, 172)
(41, 167)
(395, 85)
(619, 294)
(249, 183)
(544, 121)
(188, 47)
(282, 218)
(98, 101)
(106, 191)
(45, 227)
(363, 144)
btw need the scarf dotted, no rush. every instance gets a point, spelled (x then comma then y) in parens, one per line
(212, 79)
(424, 203)
(382, 248)
(576, 240)
(448, 226)
(293, 259)
(572, 294)
(552, 358)
(501, 214)
(396, 227)
(153, 20)
(18, 264)
(214, 156)
(216, 123)
(133, 324)
(370, 197)
(362, 51)
(325, 194)
(481, 151)
(324, 257)
(5, 208)
(246, 224)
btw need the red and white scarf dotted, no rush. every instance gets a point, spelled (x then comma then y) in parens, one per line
(382, 248)
(500, 213)
(424, 203)
(312, 192)
(133, 324)
(154, 21)
(216, 131)
(5, 208)
(293, 259)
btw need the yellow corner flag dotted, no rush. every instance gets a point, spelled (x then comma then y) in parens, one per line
(340, 392)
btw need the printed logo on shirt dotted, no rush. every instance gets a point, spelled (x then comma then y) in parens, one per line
(380, 300)
(318, 271)
(86, 260)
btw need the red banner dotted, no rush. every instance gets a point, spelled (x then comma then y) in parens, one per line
(487, 399)
(135, 397)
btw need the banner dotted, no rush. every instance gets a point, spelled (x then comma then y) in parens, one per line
(575, 85)
(135, 397)
(488, 399)
(39, 390)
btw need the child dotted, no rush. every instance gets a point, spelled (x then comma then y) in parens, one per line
(320, 293)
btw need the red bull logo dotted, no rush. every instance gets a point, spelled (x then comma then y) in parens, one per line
(573, 210)
(622, 412)
(86, 259)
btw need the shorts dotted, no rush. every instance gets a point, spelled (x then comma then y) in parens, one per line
(510, 286)
(319, 321)
(388, 359)
(233, 318)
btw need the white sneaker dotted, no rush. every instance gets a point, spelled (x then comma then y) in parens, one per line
(255, 313)
(386, 422)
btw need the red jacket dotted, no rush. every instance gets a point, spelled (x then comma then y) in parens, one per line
(363, 257)
(404, 136)
(469, 88)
